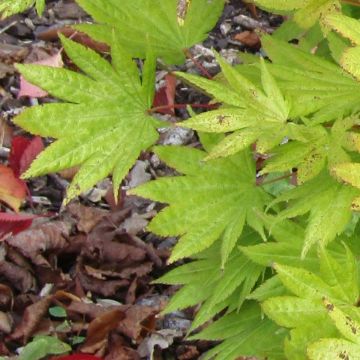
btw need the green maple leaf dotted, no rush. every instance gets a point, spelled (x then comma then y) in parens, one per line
(215, 198)
(250, 113)
(155, 24)
(306, 12)
(323, 148)
(314, 86)
(102, 124)
(244, 333)
(329, 204)
(221, 288)
(350, 29)
(11, 7)
(304, 312)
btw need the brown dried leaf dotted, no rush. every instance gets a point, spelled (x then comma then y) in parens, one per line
(139, 321)
(248, 38)
(104, 288)
(6, 296)
(87, 216)
(119, 351)
(6, 322)
(99, 329)
(19, 277)
(32, 317)
(33, 243)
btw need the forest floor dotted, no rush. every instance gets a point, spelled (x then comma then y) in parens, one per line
(93, 258)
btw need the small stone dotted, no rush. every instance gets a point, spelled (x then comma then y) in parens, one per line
(138, 174)
(225, 27)
(177, 136)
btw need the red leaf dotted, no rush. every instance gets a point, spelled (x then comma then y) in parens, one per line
(23, 152)
(14, 223)
(77, 357)
(165, 96)
(12, 189)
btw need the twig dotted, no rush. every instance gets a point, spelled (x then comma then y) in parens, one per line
(189, 55)
(275, 180)
(182, 106)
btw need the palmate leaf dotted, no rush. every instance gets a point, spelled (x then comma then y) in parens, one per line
(323, 148)
(11, 7)
(143, 24)
(314, 86)
(305, 313)
(102, 124)
(221, 289)
(306, 12)
(215, 198)
(329, 204)
(251, 113)
(244, 333)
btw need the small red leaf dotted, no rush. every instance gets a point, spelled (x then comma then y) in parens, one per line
(77, 357)
(23, 152)
(14, 223)
(165, 96)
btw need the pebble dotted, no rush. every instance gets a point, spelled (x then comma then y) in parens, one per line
(225, 27)
(176, 136)
(249, 23)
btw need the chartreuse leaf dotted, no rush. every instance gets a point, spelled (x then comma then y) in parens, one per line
(313, 85)
(335, 348)
(251, 113)
(102, 125)
(307, 12)
(322, 148)
(304, 312)
(11, 7)
(215, 199)
(246, 333)
(155, 24)
(220, 288)
(350, 29)
(329, 204)
(42, 346)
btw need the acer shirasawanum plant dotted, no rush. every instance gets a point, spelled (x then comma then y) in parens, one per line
(278, 261)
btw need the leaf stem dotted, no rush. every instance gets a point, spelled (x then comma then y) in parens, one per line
(275, 180)
(182, 106)
(189, 55)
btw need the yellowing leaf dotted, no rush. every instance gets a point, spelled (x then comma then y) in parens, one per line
(348, 172)
(102, 124)
(306, 12)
